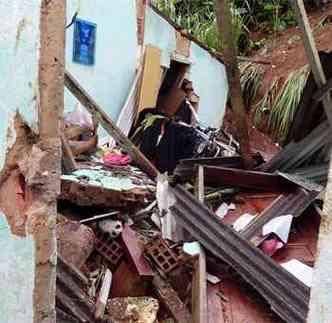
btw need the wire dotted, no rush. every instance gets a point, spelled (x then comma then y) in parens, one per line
(72, 20)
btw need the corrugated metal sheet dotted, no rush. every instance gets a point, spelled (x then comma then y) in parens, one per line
(294, 202)
(287, 296)
(295, 155)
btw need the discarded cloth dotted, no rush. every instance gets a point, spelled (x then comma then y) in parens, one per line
(112, 159)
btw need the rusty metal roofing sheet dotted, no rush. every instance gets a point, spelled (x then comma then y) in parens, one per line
(287, 296)
(293, 202)
(296, 154)
(186, 168)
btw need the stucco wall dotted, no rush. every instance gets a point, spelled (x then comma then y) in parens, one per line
(159, 33)
(207, 73)
(210, 83)
(19, 53)
(109, 80)
(16, 276)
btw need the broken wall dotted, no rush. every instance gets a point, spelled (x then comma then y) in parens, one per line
(207, 73)
(109, 80)
(210, 82)
(31, 102)
(19, 52)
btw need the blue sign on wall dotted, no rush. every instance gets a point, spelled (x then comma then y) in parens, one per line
(84, 42)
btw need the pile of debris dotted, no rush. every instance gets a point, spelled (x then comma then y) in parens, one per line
(211, 243)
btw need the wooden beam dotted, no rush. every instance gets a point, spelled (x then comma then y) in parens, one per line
(67, 155)
(199, 289)
(199, 189)
(103, 295)
(312, 53)
(106, 122)
(170, 299)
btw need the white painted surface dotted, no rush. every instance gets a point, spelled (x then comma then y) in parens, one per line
(19, 52)
(320, 309)
(210, 83)
(17, 265)
(159, 33)
(19, 56)
(109, 80)
(207, 73)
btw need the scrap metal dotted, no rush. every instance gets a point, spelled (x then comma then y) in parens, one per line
(294, 203)
(187, 167)
(295, 154)
(287, 295)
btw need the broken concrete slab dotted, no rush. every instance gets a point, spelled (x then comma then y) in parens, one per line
(96, 186)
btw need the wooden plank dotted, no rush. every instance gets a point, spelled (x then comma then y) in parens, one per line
(200, 183)
(103, 295)
(199, 292)
(86, 100)
(215, 308)
(182, 44)
(135, 251)
(68, 157)
(170, 299)
(127, 114)
(312, 53)
(151, 78)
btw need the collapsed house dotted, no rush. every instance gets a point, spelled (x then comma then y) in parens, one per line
(209, 242)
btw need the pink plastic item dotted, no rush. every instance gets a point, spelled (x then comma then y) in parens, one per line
(111, 159)
(270, 246)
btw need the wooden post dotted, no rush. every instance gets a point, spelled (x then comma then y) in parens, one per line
(103, 295)
(199, 187)
(199, 289)
(170, 299)
(312, 53)
(84, 98)
(224, 19)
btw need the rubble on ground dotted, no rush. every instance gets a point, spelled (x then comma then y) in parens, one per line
(123, 235)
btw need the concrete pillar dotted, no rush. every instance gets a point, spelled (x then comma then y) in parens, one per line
(320, 309)
(31, 104)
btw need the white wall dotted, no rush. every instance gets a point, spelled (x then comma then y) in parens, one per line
(19, 55)
(109, 80)
(207, 73)
(160, 33)
(210, 83)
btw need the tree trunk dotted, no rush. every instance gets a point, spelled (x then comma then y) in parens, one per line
(224, 19)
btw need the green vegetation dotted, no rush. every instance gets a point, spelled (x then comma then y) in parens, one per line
(263, 17)
(198, 18)
(251, 80)
(279, 105)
